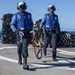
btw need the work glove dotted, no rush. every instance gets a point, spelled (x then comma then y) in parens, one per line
(21, 33)
(31, 32)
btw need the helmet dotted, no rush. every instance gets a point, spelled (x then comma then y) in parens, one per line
(51, 7)
(21, 5)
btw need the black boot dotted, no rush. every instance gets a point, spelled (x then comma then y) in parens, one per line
(25, 66)
(20, 60)
(45, 53)
(54, 56)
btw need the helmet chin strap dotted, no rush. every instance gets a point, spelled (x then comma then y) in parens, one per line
(52, 12)
(22, 12)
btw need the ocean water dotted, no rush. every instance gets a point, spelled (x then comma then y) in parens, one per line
(72, 32)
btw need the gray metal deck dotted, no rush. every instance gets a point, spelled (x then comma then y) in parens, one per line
(64, 66)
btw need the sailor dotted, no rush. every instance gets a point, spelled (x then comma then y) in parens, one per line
(22, 24)
(52, 28)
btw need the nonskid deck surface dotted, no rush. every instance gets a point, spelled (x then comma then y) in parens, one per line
(64, 66)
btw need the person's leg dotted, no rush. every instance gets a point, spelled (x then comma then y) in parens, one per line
(19, 50)
(25, 52)
(46, 42)
(54, 46)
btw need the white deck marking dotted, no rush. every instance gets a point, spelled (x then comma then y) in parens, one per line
(8, 59)
(66, 52)
(53, 67)
(40, 65)
(63, 61)
(59, 50)
(8, 47)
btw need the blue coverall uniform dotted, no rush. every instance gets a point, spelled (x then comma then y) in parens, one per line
(19, 21)
(52, 27)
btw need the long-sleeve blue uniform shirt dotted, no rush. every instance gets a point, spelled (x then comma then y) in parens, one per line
(20, 20)
(50, 22)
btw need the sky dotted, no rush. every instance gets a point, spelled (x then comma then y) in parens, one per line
(65, 9)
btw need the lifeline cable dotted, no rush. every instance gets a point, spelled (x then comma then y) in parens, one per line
(40, 50)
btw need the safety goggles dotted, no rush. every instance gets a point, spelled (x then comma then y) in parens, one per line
(22, 6)
(52, 8)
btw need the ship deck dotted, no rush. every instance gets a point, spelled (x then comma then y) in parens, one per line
(64, 66)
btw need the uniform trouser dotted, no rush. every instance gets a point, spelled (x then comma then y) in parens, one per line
(51, 38)
(22, 46)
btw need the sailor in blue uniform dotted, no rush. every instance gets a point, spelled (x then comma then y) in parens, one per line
(22, 24)
(52, 28)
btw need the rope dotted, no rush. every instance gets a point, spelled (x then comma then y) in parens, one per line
(39, 51)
